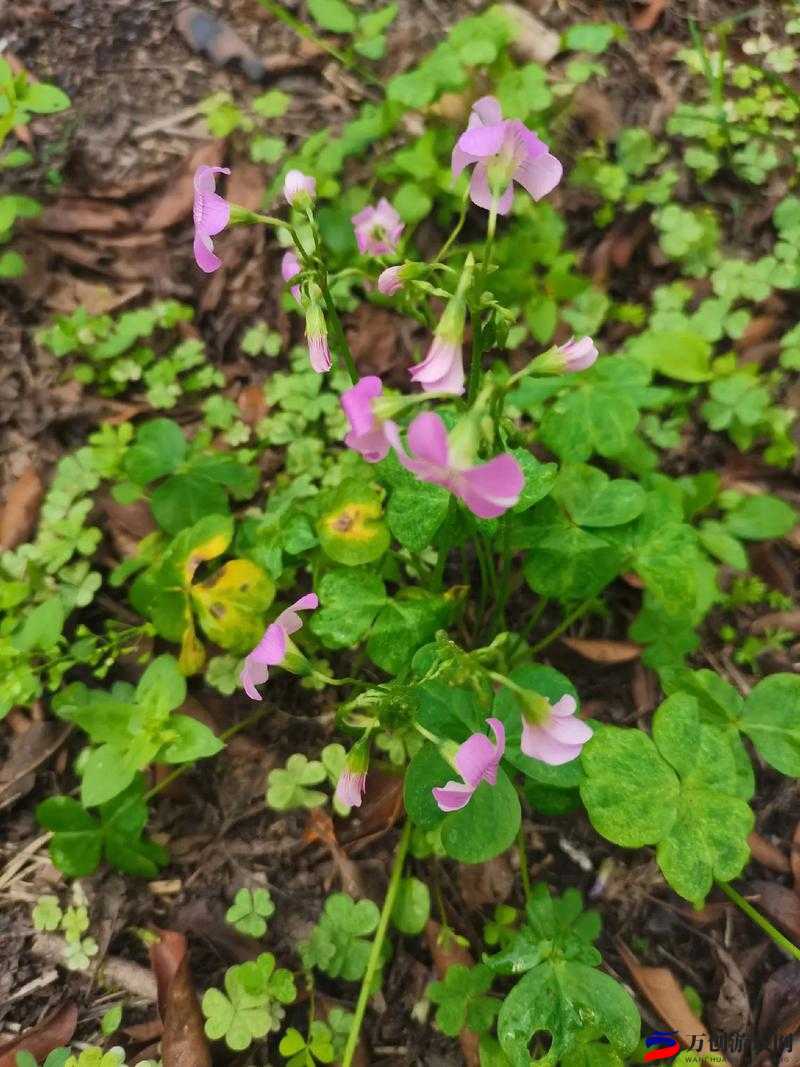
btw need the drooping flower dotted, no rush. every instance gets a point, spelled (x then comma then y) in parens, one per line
(290, 268)
(298, 188)
(578, 355)
(317, 336)
(366, 434)
(390, 281)
(353, 779)
(211, 213)
(442, 370)
(488, 489)
(503, 151)
(377, 228)
(569, 358)
(274, 647)
(551, 732)
(476, 761)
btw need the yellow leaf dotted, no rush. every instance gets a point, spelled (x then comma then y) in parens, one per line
(193, 655)
(231, 604)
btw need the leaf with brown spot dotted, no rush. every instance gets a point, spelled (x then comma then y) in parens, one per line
(662, 990)
(56, 1030)
(175, 203)
(184, 1042)
(603, 651)
(22, 509)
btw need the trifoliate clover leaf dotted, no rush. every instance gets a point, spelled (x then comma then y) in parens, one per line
(302, 1052)
(110, 1021)
(462, 1001)
(47, 913)
(337, 944)
(340, 1023)
(287, 787)
(250, 1007)
(77, 954)
(75, 922)
(96, 1057)
(250, 911)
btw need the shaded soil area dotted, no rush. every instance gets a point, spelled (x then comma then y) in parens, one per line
(117, 231)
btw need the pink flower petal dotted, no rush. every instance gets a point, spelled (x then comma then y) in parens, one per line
(538, 744)
(427, 439)
(211, 213)
(567, 705)
(204, 255)
(483, 141)
(539, 176)
(487, 111)
(460, 159)
(568, 730)
(319, 353)
(373, 446)
(474, 758)
(350, 788)
(453, 796)
(271, 648)
(481, 195)
(289, 621)
(442, 370)
(204, 177)
(357, 403)
(493, 487)
(253, 674)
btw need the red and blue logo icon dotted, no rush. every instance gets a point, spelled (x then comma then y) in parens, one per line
(661, 1045)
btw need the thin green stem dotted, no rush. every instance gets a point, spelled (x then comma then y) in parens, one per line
(300, 28)
(341, 344)
(377, 945)
(524, 873)
(535, 618)
(476, 362)
(745, 906)
(455, 231)
(563, 625)
(226, 735)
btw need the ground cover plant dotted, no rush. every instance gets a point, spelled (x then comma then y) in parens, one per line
(471, 574)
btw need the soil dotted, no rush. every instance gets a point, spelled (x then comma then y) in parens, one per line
(132, 76)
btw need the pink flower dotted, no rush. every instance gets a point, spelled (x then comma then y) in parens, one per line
(298, 188)
(317, 336)
(377, 229)
(442, 370)
(390, 281)
(290, 268)
(350, 788)
(211, 215)
(487, 489)
(553, 734)
(366, 434)
(476, 761)
(272, 649)
(578, 355)
(504, 151)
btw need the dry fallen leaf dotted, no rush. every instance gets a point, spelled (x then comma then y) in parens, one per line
(25, 753)
(22, 508)
(782, 905)
(184, 1043)
(794, 858)
(731, 1013)
(767, 854)
(213, 37)
(646, 19)
(532, 40)
(602, 651)
(56, 1030)
(320, 828)
(175, 203)
(780, 1002)
(82, 215)
(777, 620)
(252, 404)
(661, 988)
(486, 883)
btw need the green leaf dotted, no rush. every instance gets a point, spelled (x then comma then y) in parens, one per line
(412, 906)
(43, 99)
(12, 265)
(42, 626)
(351, 529)
(337, 944)
(159, 449)
(759, 518)
(771, 719)
(250, 1007)
(349, 601)
(272, 104)
(412, 203)
(682, 355)
(407, 622)
(250, 911)
(461, 1000)
(104, 776)
(333, 15)
(193, 741)
(287, 787)
(592, 499)
(416, 512)
(487, 825)
(162, 687)
(111, 1020)
(524, 90)
(427, 769)
(539, 479)
(592, 37)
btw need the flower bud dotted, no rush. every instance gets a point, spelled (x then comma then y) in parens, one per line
(299, 189)
(353, 779)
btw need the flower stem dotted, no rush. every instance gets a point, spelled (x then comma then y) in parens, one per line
(562, 626)
(475, 367)
(456, 229)
(744, 905)
(523, 863)
(377, 945)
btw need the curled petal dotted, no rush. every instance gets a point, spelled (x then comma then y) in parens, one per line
(204, 254)
(567, 705)
(289, 621)
(453, 796)
(204, 177)
(253, 674)
(539, 744)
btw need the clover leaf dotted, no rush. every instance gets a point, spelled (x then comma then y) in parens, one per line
(250, 911)
(350, 598)
(78, 953)
(74, 923)
(337, 944)
(678, 791)
(250, 1007)
(307, 1052)
(462, 1001)
(287, 787)
(47, 913)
